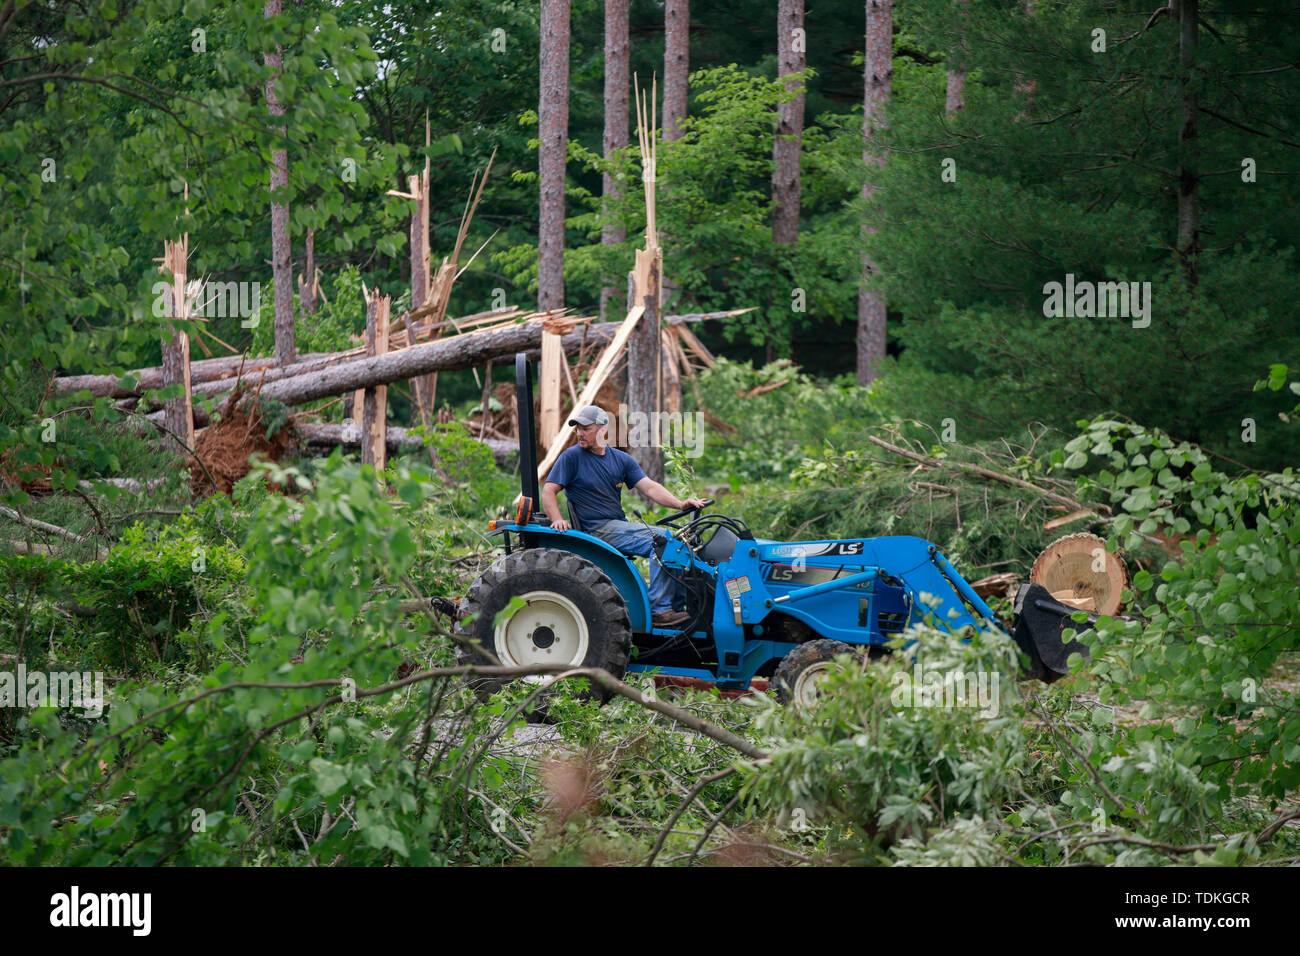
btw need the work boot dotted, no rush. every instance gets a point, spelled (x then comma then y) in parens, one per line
(669, 618)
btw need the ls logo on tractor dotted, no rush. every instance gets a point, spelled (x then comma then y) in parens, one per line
(812, 550)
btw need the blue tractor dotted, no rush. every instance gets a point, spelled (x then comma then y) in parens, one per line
(757, 607)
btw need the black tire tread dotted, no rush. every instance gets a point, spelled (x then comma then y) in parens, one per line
(804, 656)
(572, 569)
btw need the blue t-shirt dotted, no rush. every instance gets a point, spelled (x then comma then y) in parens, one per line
(592, 482)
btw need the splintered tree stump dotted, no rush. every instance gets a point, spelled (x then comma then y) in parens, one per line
(178, 413)
(374, 421)
(1080, 572)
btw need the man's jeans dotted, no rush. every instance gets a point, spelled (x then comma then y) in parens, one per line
(638, 540)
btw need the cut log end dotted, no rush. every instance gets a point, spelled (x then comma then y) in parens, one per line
(1080, 572)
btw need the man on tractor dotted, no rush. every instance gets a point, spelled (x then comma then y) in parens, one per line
(592, 475)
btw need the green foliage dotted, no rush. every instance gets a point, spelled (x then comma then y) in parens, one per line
(776, 428)
(470, 475)
(1095, 145)
(874, 761)
(340, 315)
(130, 612)
(1214, 622)
(150, 138)
(320, 570)
(235, 635)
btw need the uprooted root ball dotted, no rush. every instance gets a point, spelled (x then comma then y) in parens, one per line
(225, 447)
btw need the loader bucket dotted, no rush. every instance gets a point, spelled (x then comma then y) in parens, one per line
(1039, 623)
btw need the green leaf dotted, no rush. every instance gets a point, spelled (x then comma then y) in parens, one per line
(330, 777)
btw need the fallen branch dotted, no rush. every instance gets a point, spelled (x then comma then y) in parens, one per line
(602, 677)
(47, 528)
(681, 808)
(1282, 819)
(978, 470)
(43, 525)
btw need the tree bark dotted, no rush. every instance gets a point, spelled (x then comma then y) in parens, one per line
(217, 375)
(324, 374)
(204, 370)
(643, 376)
(457, 352)
(1024, 86)
(791, 59)
(374, 422)
(398, 439)
(281, 253)
(1189, 226)
(617, 80)
(307, 282)
(677, 56)
(677, 64)
(955, 99)
(553, 123)
(422, 388)
(786, 147)
(878, 82)
(178, 416)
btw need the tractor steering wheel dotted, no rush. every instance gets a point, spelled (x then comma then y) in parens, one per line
(679, 515)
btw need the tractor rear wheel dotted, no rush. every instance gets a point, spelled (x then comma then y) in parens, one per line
(800, 671)
(572, 615)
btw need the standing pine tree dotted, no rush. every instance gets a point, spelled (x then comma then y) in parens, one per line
(281, 253)
(553, 123)
(787, 144)
(677, 64)
(878, 76)
(617, 79)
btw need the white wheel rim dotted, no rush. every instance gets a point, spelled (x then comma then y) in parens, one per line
(549, 629)
(806, 684)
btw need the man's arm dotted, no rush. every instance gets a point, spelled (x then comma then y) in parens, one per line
(662, 496)
(551, 505)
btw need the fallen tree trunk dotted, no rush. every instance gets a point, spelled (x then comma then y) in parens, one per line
(227, 367)
(202, 370)
(201, 417)
(399, 439)
(133, 485)
(458, 352)
(26, 547)
(305, 365)
(48, 529)
(511, 339)
(215, 376)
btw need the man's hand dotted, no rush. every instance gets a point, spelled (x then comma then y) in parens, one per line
(551, 505)
(662, 496)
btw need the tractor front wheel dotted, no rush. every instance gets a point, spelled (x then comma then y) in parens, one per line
(572, 614)
(799, 673)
